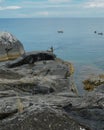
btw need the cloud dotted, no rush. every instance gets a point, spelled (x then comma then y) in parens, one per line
(59, 1)
(47, 4)
(43, 13)
(33, 14)
(94, 4)
(10, 8)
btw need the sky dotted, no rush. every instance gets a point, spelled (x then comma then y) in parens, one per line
(51, 8)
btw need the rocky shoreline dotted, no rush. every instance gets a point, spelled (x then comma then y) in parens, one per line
(37, 92)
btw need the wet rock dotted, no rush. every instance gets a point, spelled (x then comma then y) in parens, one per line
(10, 47)
(30, 58)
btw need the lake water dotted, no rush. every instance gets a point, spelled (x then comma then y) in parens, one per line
(78, 43)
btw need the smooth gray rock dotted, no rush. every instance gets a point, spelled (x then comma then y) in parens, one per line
(10, 47)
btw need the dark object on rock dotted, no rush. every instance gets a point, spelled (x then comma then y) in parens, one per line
(43, 90)
(30, 58)
(10, 47)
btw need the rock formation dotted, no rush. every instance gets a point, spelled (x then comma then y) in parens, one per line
(10, 47)
(31, 93)
(39, 96)
(37, 92)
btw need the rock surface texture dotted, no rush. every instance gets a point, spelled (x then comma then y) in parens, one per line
(37, 93)
(10, 47)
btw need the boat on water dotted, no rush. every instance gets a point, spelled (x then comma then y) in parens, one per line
(95, 31)
(60, 31)
(100, 33)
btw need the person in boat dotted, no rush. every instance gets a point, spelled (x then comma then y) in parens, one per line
(60, 31)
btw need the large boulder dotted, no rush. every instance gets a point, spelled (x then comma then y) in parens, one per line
(10, 47)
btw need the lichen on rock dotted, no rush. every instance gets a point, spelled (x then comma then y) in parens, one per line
(93, 82)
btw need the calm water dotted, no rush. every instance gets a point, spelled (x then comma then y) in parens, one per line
(78, 44)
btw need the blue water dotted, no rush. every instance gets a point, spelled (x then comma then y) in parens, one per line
(78, 44)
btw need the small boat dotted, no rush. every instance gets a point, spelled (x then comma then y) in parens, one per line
(100, 33)
(95, 31)
(60, 31)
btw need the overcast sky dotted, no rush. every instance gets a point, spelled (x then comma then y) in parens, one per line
(51, 8)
